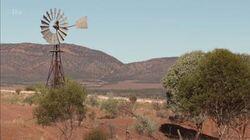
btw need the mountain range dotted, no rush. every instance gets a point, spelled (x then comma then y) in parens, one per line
(24, 63)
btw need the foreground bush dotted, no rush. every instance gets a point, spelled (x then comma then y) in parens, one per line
(96, 134)
(217, 86)
(145, 125)
(63, 107)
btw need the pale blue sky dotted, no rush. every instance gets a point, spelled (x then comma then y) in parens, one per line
(134, 30)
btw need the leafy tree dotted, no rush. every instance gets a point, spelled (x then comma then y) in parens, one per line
(184, 66)
(219, 87)
(62, 107)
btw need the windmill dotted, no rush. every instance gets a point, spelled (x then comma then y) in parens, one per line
(54, 28)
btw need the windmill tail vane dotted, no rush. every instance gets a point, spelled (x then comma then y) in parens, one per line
(54, 28)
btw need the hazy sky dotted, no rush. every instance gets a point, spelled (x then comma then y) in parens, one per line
(134, 30)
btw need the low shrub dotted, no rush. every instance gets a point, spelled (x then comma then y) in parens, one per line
(92, 101)
(18, 91)
(162, 114)
(33, 99)
(132, 99)
(96, 134)
(156, 106)
(145, 125)
(30, 88)
(110, 106)
(92, 115)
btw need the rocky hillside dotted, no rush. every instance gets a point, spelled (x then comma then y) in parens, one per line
(27, 63)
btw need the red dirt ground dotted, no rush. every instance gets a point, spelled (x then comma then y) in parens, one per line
(17, 123)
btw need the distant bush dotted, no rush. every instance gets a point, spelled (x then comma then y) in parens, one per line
(110, 106)
(132, 99)
(96, 134)
(18, 91)
(14, 100)
(92, 101)
(145, 125)
(33, 99)
(30, 88)
(126, 109)
(156, 106)
(40, 90)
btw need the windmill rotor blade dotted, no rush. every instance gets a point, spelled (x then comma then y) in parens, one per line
(65, 28)
(61, 37)
(57, 40)
(65, 24)
(58, 13)
(61, 34)
(57, 37)
(47, 13)
(45, 31)
(47, 38)
(60, 16)
(63, 20)
(55, 12)
(44, 22)
(64, 33)
(52, 38)
(44, 17)
(51, 14)
(44, 27)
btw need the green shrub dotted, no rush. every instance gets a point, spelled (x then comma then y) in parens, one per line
(63, 105)
(110, 106)
(18, 91)
(14, 100)
(156, 106)
(96, 134)
(31, 99)
(92, 115)
(145, 125)
(92, 101)
(30, 88)
(162, 114)
(132, 99)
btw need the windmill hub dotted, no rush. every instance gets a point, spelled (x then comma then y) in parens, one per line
(56, 25)
(54, 28)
